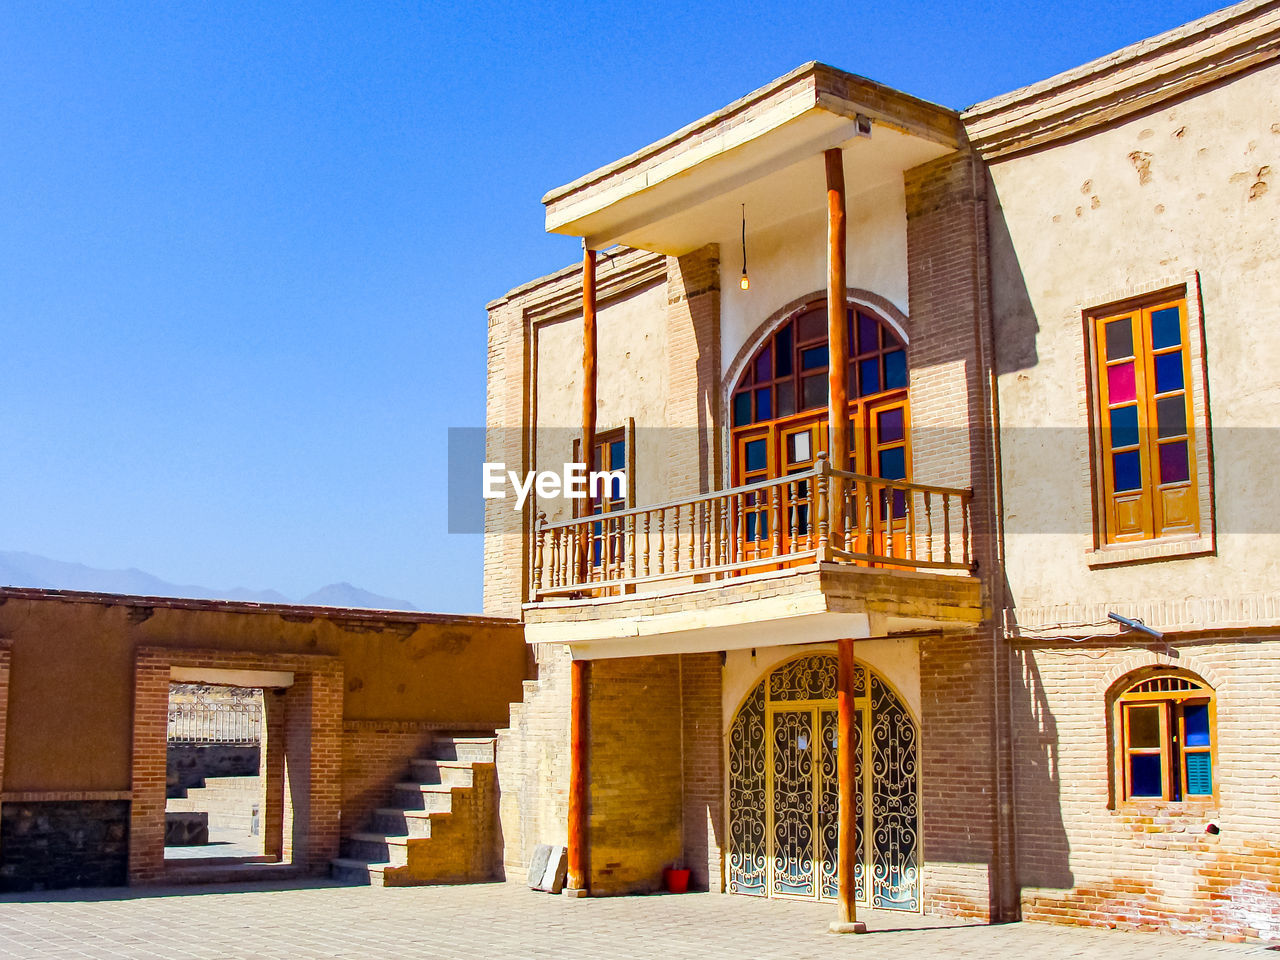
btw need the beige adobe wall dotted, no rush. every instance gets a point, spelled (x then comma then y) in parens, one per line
(1148, 865)
(1187, 189)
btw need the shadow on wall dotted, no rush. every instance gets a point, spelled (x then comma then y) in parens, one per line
(1012, 315)
(1043, 848)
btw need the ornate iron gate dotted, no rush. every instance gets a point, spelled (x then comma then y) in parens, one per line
(783, 798)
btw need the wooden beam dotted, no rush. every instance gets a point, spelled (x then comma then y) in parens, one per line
(579, 679)
(847, 784)
(837, 339)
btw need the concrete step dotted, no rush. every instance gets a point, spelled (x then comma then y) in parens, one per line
(432, 797)
(454, 773)
(352, 871)
(377, 848)
(470, 749)
(410, 823)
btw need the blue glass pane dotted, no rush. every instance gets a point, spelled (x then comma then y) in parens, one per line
(1127, 468)
(757, 526)
(751, 526)
(757, 456)
(617, 454)
(782, 344)
(1199, 773)
(869, 376)
(764, 406)
(1144, 775)
(893, 464)
(741, 409)
(1195, 720)
(814, 358)
(1169, 372)
(895, 370)
(1166, 330)
(1124, 427)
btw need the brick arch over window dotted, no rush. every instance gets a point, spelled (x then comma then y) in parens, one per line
(1124, 672)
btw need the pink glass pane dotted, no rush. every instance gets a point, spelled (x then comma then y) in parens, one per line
(1121, 387)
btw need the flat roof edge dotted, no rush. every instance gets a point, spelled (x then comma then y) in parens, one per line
(1128, 80)
(241, 606)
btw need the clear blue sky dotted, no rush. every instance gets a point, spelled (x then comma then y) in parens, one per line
(245, 248)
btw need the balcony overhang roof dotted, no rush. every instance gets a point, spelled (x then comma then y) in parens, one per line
(764, 150)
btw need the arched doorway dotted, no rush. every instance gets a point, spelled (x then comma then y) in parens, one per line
(783, 802)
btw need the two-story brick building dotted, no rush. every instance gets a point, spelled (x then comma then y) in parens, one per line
(908, 401)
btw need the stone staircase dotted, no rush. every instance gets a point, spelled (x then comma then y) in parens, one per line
(439, 826)
(232, 803)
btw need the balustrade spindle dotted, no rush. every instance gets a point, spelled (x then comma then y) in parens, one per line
(538, 552)
(824, 532)
(693, 534)
(928, 523)
(648, 516)
(793, 515)
(964, 534)
(775, 517)
(662, 540)
(946, 528)
(675, 537)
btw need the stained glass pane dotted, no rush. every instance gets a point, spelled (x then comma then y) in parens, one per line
(811, 326)
(1121, 386)
(1124, 427)
(1173, 462)
(895, 370)
(1127, 469)
(869, 376)
(1199, 773)
(813, 358)
(1166, 330)
(764, 405)
(1144, 726)
(741, 409)
(1144, 775)
(617, 454)
(1119, 339)
(786, 398)
(889, 425)
(893, 463)
(868, 334)
(815, 391)
(1195, 721)
(757, 455)
(764, 364)
(782, 343)
(1169, 372)
(1171, 417)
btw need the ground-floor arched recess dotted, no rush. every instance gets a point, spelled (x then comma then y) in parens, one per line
(782, 788)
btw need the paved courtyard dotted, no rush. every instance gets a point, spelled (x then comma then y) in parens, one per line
(304, 922)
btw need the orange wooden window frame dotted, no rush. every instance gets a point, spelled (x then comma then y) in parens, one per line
(1149, 500)
(1172, 748)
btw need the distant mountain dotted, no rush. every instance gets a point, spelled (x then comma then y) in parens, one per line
(18, 569)
(345, 595)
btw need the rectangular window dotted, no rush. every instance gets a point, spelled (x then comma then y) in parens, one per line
(611, 453)
(1166, 746)
(1147, 450)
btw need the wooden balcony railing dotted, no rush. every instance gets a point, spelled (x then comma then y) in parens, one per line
(821, 514)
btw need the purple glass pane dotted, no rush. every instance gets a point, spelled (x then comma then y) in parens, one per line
(1121, 386)
(889, 425)
(1173, 462)
(868, 334)
(764, 365)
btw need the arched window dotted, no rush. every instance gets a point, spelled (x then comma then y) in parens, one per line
(780, 401)
(1165, 738)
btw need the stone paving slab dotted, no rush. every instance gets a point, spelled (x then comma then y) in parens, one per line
(314, 920)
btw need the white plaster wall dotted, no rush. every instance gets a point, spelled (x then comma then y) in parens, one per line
(1084, 225)
(896, 660)
(790, 261)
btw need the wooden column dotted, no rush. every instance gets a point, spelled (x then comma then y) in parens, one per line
(580, 670)
(847, 782)
(579, 679)
(837, 340)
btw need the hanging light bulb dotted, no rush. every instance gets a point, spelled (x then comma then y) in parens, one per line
(745, 282)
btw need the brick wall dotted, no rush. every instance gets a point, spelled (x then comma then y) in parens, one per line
(693, 372)
(533, 765)
(1083, 860)
(506, 416)
(703, 763)
(635, 733)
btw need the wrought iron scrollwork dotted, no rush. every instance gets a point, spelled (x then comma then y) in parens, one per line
(748, 853)
(894, 803)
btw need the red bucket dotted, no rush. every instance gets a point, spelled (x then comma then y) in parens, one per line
(675, 881)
